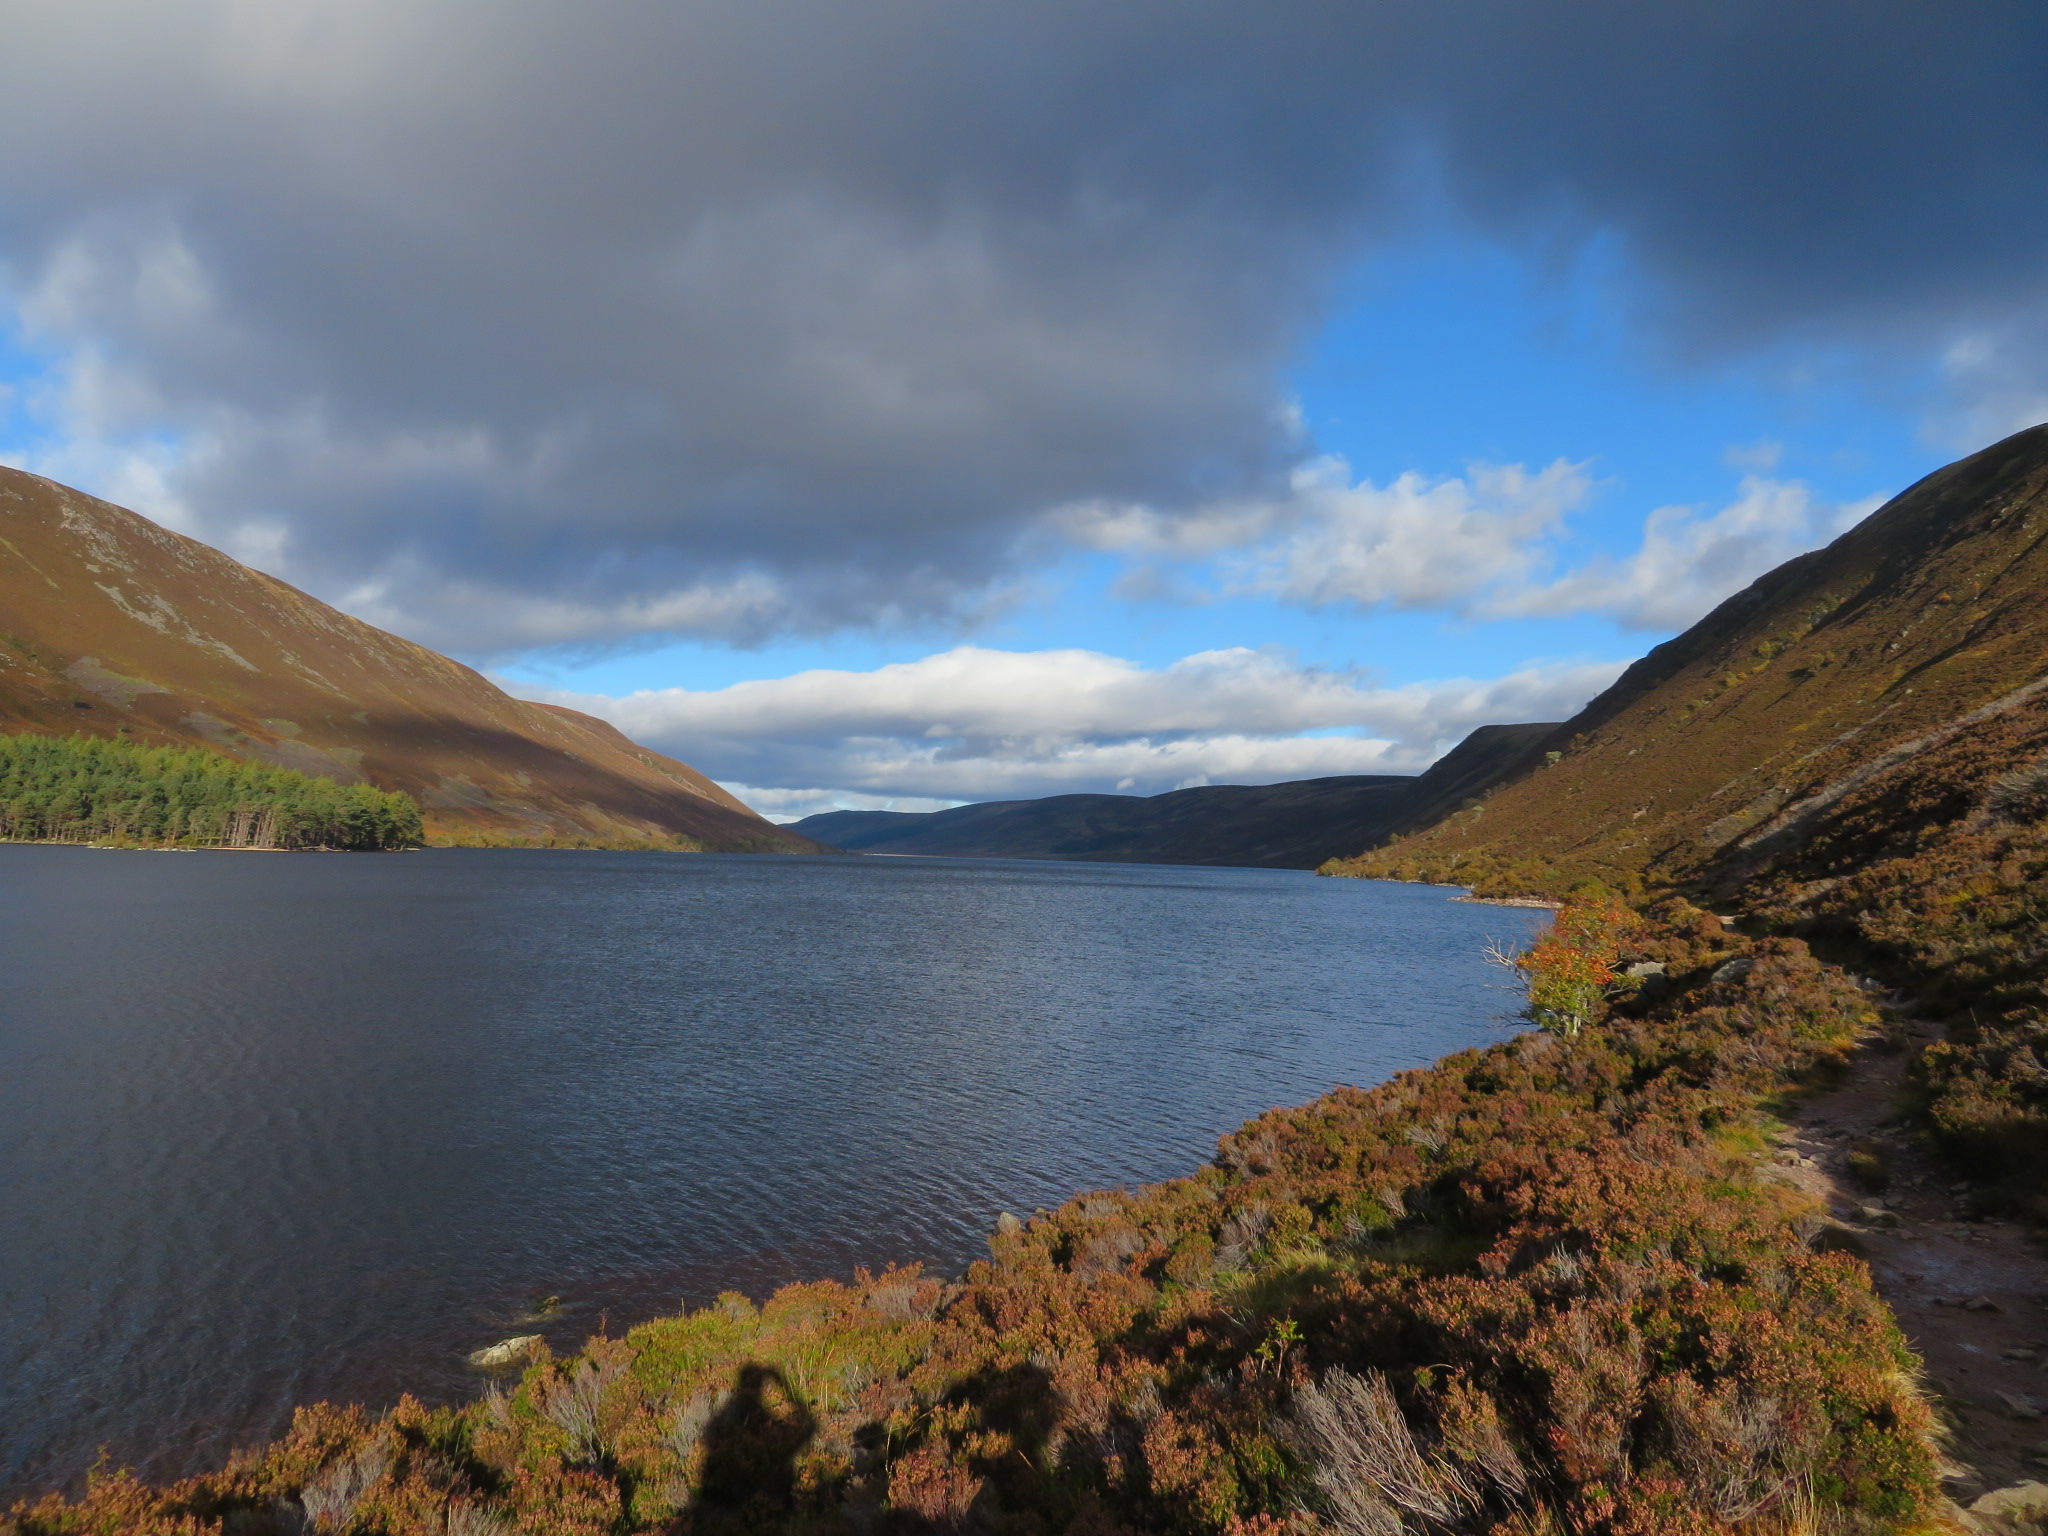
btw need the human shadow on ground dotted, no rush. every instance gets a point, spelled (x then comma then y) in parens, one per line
(748, 1482)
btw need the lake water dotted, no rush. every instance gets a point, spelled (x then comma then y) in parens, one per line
(283, 1127)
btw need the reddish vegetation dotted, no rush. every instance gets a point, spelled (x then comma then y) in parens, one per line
(1574, 967)
(112, 626)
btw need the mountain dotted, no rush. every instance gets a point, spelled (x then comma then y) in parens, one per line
(113, 626)
(1296, 825)
(1734, 756)
(1852, 753)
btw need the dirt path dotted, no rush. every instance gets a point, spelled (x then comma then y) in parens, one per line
(1972, 1295)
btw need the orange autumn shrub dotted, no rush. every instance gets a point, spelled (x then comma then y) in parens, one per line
(1573, 969)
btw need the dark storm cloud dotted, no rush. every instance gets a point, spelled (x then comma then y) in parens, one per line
(521, 323)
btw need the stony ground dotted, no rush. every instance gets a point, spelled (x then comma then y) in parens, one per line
(1971, 1293)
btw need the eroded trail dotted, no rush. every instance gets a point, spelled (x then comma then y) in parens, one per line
(1970, 1292)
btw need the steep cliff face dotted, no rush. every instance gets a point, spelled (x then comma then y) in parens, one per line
(1725, 755)
(113, 626)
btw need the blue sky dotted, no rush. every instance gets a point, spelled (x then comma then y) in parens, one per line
(965, 399)
(1448, 352)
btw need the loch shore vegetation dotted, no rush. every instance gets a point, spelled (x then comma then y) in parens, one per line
(80, 789)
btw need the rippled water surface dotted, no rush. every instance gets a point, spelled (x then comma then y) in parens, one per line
(282, 1127)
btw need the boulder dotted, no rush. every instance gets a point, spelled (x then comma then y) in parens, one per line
(2020, 1510)
(506, 1352)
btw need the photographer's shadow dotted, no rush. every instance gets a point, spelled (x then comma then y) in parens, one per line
(750, 1450)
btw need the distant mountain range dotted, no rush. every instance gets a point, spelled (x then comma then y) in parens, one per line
(113, 626)
(1297, 825)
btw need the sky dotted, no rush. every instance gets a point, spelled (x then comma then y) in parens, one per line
(896, 403)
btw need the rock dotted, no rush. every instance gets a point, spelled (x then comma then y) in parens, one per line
(1981, 1304)
(2019, 1406)
(506, 1352)
(2020, 1510)
(1008, 1225)
(1734, 970)
(1650, 977)
(1876, 1216)
(2020, 1353)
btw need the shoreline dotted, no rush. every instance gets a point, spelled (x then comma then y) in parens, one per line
(1433, 1233)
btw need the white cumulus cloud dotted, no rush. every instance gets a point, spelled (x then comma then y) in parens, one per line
(1690, 560)
(1485, 544)
(974, 723)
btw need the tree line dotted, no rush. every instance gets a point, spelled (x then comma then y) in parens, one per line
(81, 789)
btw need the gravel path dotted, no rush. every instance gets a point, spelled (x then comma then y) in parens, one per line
(1971, 1294)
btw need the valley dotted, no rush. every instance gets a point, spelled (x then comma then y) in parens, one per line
(1607, 1274)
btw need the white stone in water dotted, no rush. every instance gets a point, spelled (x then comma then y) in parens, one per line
(506, 1352)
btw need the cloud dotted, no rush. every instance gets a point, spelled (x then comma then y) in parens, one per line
(1997, 378)
(979, 724)
(531, 324)
(1483, 545)
(1689, 561)
(1415, 543)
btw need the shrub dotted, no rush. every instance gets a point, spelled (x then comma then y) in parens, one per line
(1572, 970)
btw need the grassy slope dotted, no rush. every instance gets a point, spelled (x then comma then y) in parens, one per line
(112, 626)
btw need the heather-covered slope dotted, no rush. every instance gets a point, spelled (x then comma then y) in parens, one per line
(1854, 751)
(113, 626)
(1295, 825)
(1723, 755)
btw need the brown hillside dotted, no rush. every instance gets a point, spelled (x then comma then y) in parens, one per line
(113, 626)
(1722, 754)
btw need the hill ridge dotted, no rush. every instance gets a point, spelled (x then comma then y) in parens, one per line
(1296, 824)
(112, 625)
(1897, 632)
